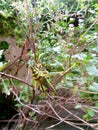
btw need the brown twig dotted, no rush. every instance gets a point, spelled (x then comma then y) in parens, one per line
(78, 42)
(95, 21)
(32, 40)
(13, 77)
(62, 119)
(15, 61)
(89, 92)
(27, 106)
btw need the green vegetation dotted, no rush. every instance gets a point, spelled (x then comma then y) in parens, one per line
(60, 38)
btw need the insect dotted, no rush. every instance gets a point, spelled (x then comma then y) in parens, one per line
(40, 77)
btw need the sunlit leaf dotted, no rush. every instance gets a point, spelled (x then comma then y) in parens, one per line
(69, 84)
(5, 88)
(78, 106)
(92, 70)
(94, 87)
(2, 65)
(80, 56)
(57, 49)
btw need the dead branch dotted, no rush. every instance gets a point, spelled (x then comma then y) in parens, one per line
(13, 77)
(32, 40)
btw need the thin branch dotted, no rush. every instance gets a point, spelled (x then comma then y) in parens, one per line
(88, 92)
(13, 77)
(27, 106)
(15, 61)
(58, 77)
(11, 120)
(54, 125)
(88, 124)
(96, 20)
(32, 40)
(62, 119)
(78, 42)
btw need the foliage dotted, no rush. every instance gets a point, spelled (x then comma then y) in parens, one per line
(59, 44)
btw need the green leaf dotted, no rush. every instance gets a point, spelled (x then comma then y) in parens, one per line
(57, 49)
(92, 70)
(94, 87)
(84, 95)
(95, 96)
(86, 117)
(2, 65)
(96, 28)
(69, 84)
(96, 79)
(91, 113)
(96, 105)
(5, 88)
(78, 106)
(81, 56)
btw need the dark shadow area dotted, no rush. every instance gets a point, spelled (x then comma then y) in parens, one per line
(8, 110)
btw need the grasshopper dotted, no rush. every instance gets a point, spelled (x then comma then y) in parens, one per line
(41, 79)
